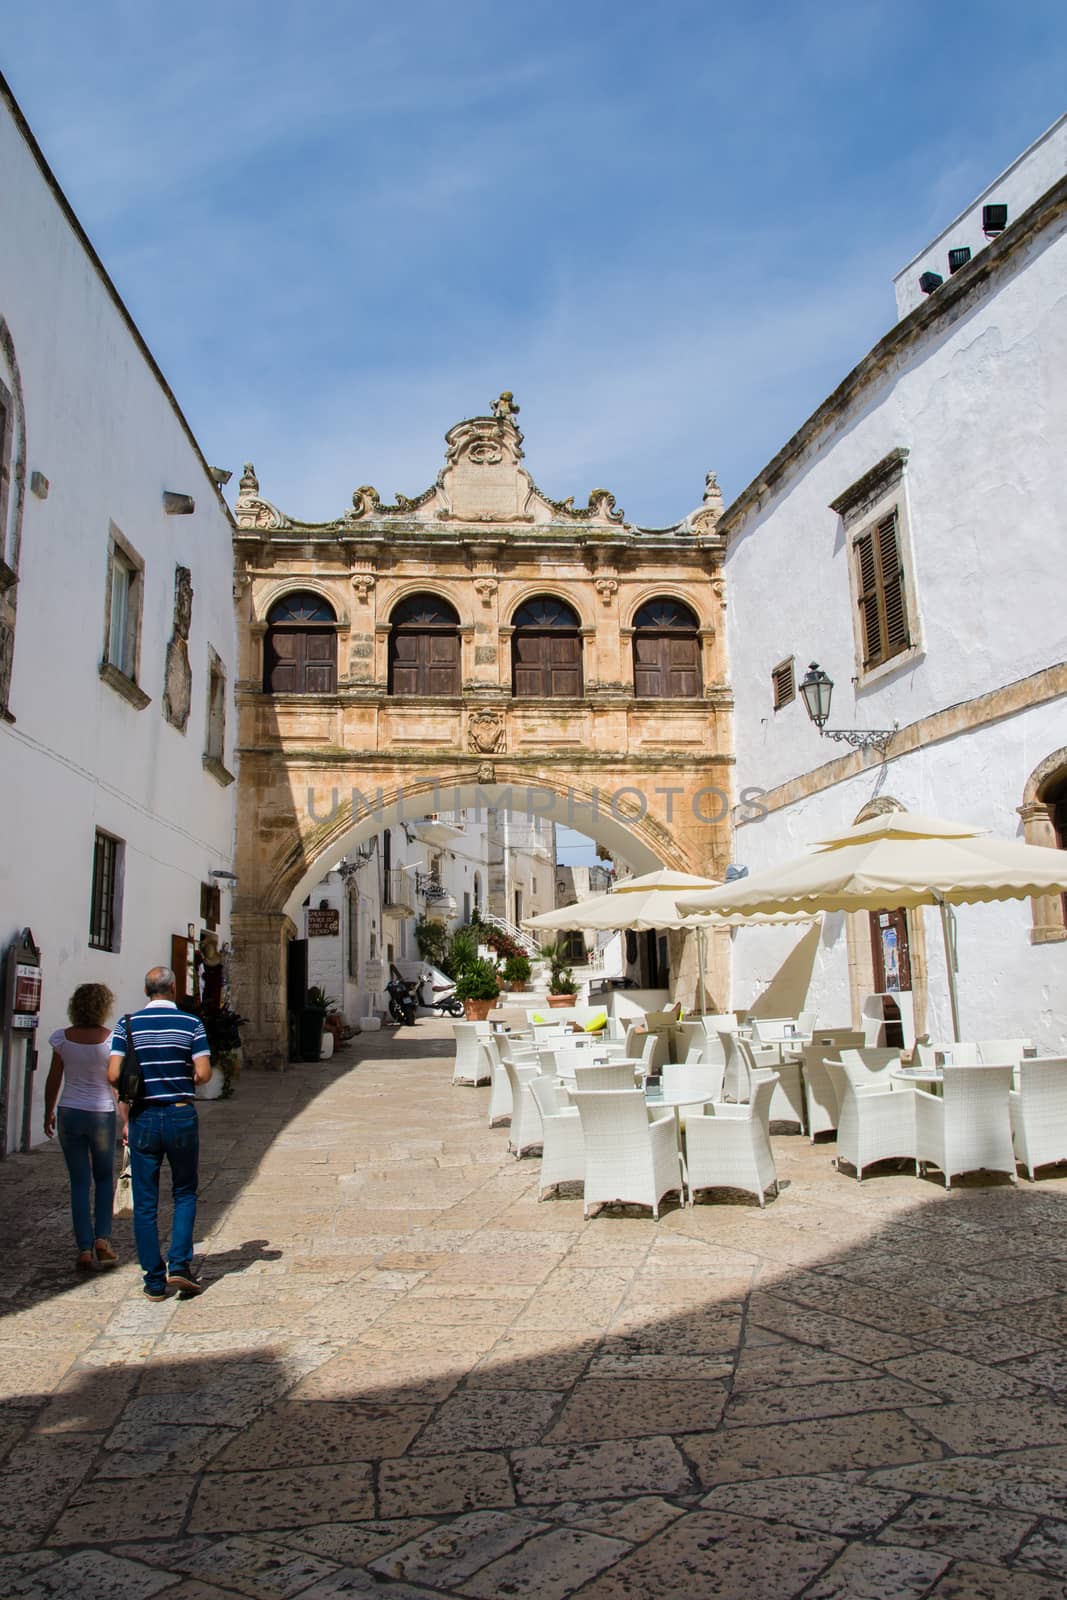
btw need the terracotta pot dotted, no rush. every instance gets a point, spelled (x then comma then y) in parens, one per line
(517, 988)
(477, 1010)
(562, 999)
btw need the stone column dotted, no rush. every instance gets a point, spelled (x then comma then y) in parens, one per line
(259, 968)
(1048, 909)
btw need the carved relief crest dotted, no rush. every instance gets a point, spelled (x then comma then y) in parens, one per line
(486, 733)
(250, 511)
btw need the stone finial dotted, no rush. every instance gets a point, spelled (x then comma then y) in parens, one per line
(504, 406)
(712, 492)
(249, 483)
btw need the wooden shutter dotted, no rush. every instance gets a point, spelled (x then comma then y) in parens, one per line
(320, 662)
(683, 677)
(647, 660)
(867, 573)
(530, 654)
(783, 681)
(891, 578)
(882, 601)
(442, 663)
(565, 666)
(281, 662)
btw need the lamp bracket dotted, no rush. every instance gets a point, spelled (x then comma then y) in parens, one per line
(862, 738)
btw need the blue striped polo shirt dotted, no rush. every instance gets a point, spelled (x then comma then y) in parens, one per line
(166, 1040)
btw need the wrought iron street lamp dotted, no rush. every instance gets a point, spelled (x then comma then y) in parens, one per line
(816, 690)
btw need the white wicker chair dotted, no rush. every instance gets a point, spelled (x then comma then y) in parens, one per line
(873, 1124)
(821, 1109)
(969, 1128)
(1002, 1052)
(615, 1075)
(730, 1148)
(699, 1078)
(627, 1156)
(500, 1093)
(869, 1068)
(525, 1131)
(1039, 1113)
(965, 1054)
(470, 1065)
(740, 1065)
(563, 1146)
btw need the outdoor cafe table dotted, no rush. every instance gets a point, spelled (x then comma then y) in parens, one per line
(929, 1077)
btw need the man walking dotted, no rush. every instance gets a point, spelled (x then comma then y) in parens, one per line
(173, 1051)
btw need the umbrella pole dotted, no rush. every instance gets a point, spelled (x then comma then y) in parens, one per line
(948, 935)
(701, 964)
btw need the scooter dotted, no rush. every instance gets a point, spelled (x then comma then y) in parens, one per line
(443, 1000)
(401, 998)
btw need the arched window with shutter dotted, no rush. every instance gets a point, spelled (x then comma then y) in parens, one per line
(300, 655)
(424, 647)
(666, 651)
(546, 650)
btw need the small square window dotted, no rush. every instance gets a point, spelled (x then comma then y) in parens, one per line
(783, 683)
(106, 899)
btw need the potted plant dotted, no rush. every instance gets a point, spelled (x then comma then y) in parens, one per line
(222, 1027)
(561, 988)
(312, 1023)
(478, 986)
(517, 971)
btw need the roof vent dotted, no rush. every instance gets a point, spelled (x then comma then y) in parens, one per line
(959, 258)
(930, 281)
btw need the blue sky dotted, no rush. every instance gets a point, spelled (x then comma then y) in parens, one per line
(670, 230)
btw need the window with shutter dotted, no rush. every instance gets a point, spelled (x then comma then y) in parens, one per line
(783, 683)
(882, 600)
(546, 650)
(666, 651)
(424, 647)
(300, 650)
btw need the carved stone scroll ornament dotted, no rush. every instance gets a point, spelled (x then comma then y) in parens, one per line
(605, 588)
(486, 733)
(363, 583)
(178, 677)
(250, 511)
(486, 588)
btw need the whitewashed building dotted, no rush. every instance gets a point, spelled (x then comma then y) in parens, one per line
(910, 539)
(117, 641)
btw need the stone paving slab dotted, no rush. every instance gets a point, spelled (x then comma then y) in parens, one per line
(409, 1378)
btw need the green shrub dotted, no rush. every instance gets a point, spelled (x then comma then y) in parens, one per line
(479, 980)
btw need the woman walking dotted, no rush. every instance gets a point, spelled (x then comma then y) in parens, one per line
(86, 1120)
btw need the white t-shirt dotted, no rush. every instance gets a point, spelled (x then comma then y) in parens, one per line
(85, 1085)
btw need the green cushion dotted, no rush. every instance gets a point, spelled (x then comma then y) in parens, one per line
(535, 1016)
(596, 1022)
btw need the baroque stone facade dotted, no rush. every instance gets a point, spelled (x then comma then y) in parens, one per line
(322, 770)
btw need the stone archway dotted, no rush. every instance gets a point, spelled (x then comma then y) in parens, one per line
(319, 773)
(1044, 786)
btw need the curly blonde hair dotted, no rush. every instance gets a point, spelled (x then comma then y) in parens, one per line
(90, 1005)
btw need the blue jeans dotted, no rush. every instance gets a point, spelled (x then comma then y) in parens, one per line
(87, 1139)
(157, 1131)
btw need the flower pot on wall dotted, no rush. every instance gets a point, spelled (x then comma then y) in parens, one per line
(477, 1010)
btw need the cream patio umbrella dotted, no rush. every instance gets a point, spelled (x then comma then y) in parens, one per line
(897, 859)
(648, 902)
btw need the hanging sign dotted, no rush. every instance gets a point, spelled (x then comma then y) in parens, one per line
(324, 924)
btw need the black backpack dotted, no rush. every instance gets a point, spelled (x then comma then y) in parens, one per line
(131, 1079)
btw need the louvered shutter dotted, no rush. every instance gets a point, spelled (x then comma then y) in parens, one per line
(891, 574)
(442, 667)
(867, 570)
(320, 662)
(646, 666)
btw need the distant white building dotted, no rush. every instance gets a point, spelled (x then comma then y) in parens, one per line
(117, 640)
(910, 539)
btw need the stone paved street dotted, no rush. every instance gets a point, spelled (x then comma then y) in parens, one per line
(409, 1378)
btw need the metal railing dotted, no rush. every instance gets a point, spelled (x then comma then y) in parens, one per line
(524, 940)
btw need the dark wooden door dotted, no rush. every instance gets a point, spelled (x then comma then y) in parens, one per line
(889, 947)
(547, 662)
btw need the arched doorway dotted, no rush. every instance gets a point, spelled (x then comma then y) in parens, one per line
(1044, 816)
